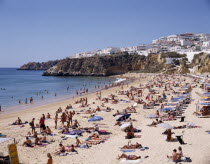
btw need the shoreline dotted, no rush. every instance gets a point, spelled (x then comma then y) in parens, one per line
(64, 100)
(53, 100)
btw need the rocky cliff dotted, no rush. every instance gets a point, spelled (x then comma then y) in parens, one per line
(111, 65)
(201, 63)
(97, 66)
(38, 66)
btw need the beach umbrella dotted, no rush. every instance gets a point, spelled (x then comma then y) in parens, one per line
(165, 125)
(125, 125)
(122, 117)
(95, 118)
(205, 104)
(167, 109)
(118, 116)
(206, 94)
(206, 97)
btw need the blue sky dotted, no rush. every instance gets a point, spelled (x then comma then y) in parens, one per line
(42, 30)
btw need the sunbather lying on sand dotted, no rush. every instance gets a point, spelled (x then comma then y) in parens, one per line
(129, 157)
(156, 122)
(132, 146)
(72, 149)
(64, 130)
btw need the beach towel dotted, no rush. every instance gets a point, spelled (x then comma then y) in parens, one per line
(78, 132)
(71, 136)
(52, 134)
(130, 161)
(4, 139)
(127, 150)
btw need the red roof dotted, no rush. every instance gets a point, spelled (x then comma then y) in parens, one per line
(186, 34)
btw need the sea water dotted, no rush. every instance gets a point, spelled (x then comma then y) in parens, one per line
(17, 85)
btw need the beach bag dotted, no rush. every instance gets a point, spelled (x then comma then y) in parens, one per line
(30, 123)
(187, 159)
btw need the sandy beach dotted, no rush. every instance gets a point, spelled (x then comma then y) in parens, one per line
(197, 147)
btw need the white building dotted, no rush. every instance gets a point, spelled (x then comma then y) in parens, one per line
(175, 48)
(206, 45)
(187, 36)
(110, 50)
(142, 47)
(186, 42)
(141, 52)
(154, 50)
(174, 38)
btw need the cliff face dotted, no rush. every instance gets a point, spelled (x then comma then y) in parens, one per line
(183, 68)
(110, 65)
(38, 66)
(97, 66)
(201, 63)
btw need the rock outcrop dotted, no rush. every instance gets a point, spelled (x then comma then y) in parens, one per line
(183, 68)
(38, 66)
(201, 63)
(111, 65)
(97, 66)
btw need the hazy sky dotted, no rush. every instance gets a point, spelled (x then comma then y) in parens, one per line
(41, 30)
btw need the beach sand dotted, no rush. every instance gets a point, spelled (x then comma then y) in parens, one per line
(197, 147)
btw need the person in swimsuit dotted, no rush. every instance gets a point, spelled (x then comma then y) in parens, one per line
(49, 161)
(77, 142)
(18, 121)
(61, 149)
(175, 156)
(56, 120)
(129, 157)
(37, 141)
(32, 125)
(27, 143)
(42, 124)
(48, 130)
(72, 149)
(43, 138)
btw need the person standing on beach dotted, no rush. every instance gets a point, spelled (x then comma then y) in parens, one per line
(31, 100)
(32, 126)
(56, 120)
(0, 108)
(70, 117)
(42, 124)
(26, 101)
(49, 161)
